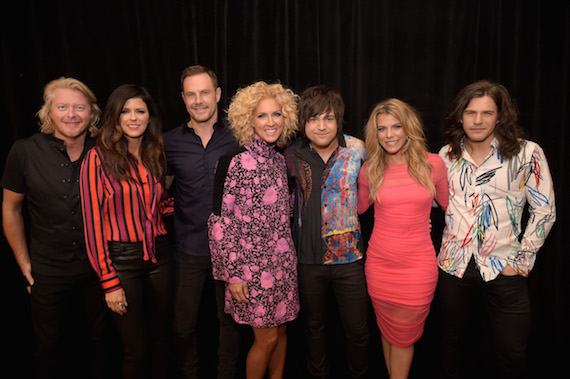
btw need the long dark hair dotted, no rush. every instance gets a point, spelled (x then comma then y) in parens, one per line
(508, 131)
(114, 145)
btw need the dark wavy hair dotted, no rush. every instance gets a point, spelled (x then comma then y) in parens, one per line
(317, 100)
(508, 131)
(114, 145)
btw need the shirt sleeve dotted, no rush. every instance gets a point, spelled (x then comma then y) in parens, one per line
(227, 245)
(13, 177)
(92, 186)
(167, 150)
(364, 200)
(539, 193)
(166, 206)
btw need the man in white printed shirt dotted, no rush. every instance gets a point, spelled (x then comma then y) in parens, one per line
(492, 172)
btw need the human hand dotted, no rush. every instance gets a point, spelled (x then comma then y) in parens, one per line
(239, 291)
(117, 301)
(29, 279)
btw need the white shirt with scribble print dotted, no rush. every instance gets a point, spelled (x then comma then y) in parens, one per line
(486, 204)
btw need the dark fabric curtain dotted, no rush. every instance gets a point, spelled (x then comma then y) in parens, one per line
(422, 52)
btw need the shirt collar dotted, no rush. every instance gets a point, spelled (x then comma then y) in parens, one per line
(218, 124)
(494, 149)
(260, 147)
(494, 144)
(306, 144)
(60, 144)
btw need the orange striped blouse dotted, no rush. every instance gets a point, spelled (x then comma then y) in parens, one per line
(119, 211)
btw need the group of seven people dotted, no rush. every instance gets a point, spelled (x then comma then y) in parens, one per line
(271, 221)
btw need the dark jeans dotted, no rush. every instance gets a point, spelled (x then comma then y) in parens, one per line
(192, 273)
(507, 304)
(148, 287)
(61, 303)
(348, 285)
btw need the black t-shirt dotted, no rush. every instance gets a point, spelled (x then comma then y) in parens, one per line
(40, 168)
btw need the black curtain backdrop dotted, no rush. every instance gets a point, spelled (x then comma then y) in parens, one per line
(422, 52)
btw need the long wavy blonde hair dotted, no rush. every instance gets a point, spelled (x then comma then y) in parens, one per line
(245, 101)
(415, 148)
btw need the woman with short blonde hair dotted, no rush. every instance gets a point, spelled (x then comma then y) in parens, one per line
(251, 245)
(246, 100)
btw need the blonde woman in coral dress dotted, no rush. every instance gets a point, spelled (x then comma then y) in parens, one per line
(401, 179)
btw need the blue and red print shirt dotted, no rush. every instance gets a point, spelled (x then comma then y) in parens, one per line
(326, 228)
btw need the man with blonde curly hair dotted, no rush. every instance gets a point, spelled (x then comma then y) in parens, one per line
(43, 170)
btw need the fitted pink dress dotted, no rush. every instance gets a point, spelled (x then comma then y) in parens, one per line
(401, 267)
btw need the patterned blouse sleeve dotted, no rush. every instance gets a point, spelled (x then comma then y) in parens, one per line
(229, 255)
(166, 206)
(539, 193)
(92, 186)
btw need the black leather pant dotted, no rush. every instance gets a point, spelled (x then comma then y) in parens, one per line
(507, 305)
(61, 305)
(348, 284)
(148, 288)
(193, 274)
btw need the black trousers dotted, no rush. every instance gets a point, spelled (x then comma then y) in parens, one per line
(348, 284)
(144, 328)
(507, 305)
(192, 274)
(61, 303)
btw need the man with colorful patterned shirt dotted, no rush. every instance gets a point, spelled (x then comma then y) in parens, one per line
(492, 172)
(324, 164)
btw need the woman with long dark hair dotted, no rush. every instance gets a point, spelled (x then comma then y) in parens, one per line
(124, 201)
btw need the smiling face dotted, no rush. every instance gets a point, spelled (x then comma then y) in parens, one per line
(134, 118)
(201, 98)
(268, 120)
(392, 137)
(322, 130)
(479, 120)
(71, 114)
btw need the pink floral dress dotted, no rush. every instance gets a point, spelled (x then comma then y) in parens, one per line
(250, 237)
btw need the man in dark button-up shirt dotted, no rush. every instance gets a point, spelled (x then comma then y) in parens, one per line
(44, 170)
(192, 152)
(193, 167)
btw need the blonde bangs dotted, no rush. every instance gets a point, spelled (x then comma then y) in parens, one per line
(246, 100)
